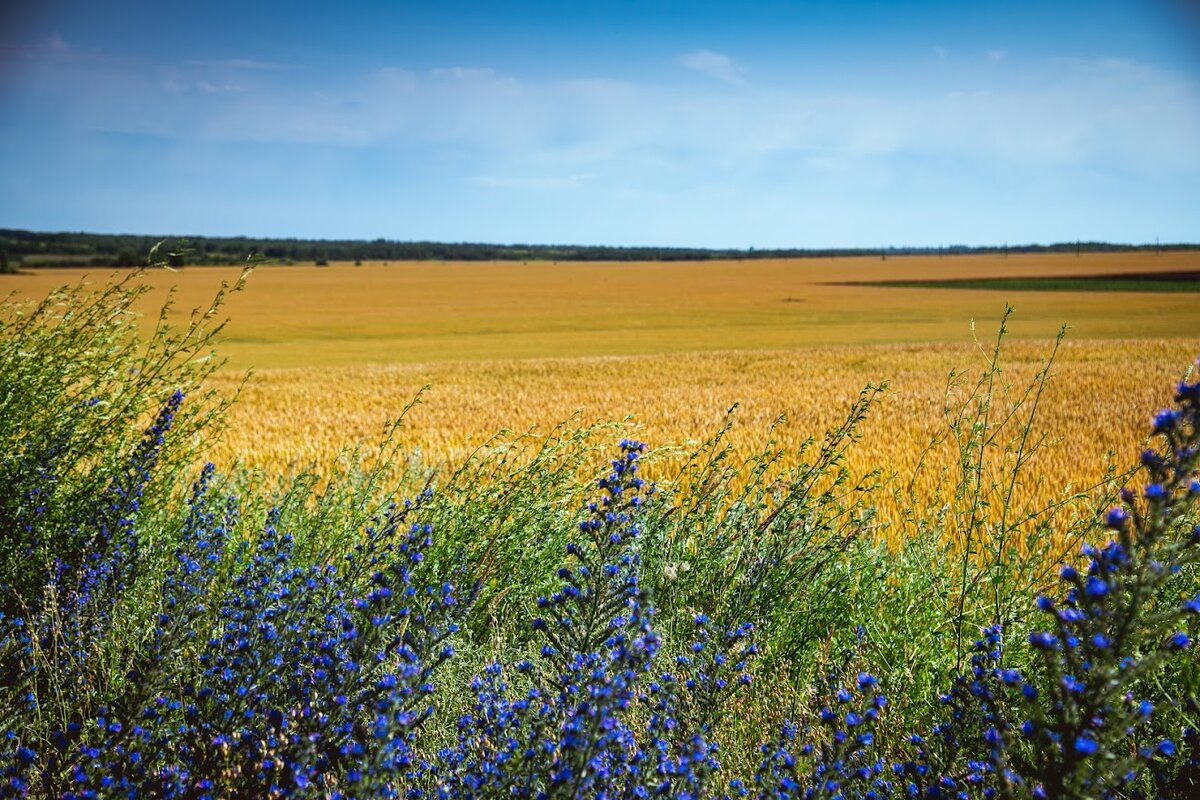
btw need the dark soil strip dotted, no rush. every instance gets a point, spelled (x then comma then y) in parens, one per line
(1184, 281)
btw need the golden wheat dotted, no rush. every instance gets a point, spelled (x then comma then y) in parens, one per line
(340, 351)
(415, 312)
(1099, 401)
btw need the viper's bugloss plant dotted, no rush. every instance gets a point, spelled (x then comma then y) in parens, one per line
(260, 676)
(964, 755)
(1113, 626)
(1079, 721)
(839, 758)
(594, 716)
(78, 380)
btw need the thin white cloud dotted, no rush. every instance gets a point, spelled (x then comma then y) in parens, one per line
(714, 65)
(49, 49)
(56, 44)
(1100, 115)
(218, 88)
(394, 79)
(599, 87)
(530, 181)
(244, 63)
(996, 56)
(478, 80)
(463, 73)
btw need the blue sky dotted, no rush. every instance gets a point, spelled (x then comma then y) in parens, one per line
(719, 124)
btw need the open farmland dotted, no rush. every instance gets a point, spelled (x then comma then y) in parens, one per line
(338, 351)
(423, 312)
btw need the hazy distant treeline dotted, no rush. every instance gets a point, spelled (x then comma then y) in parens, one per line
(34, 249)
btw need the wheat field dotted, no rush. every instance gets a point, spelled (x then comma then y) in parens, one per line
(670, 348)
(433, 312)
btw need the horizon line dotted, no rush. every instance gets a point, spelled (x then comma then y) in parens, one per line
(866, 248)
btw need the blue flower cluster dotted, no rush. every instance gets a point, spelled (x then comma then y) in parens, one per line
(837, 760)
(1077, 723)
(258, 674)
(1114, 625)
(593, 717)
(261, 677)
(965, 755)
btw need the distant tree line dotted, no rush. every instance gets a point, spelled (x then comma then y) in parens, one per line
(35, 249)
